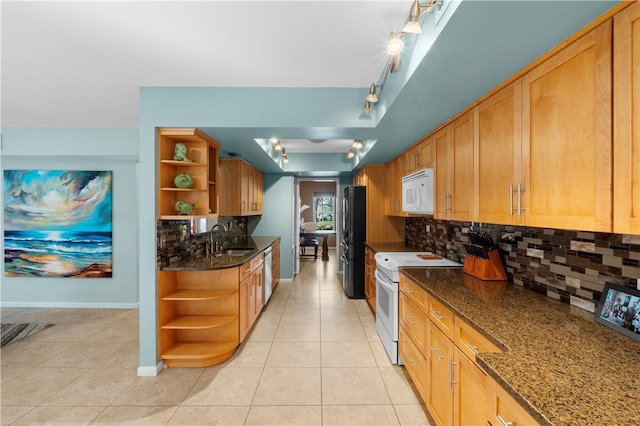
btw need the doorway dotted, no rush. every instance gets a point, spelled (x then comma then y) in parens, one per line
(318, 201)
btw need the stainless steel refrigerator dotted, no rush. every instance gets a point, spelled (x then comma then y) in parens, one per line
(354, 231)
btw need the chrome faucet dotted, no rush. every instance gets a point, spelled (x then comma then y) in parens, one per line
(215, 246)
(218, 226)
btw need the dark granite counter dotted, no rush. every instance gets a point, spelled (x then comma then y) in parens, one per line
(559, 364)
(207, 263)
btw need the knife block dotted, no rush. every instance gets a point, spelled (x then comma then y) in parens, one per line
(490, 269)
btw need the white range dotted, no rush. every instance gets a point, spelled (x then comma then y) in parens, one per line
(387, 278)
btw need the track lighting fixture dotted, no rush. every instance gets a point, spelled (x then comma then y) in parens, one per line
(277, 146)
(283, 155)
(357, 143)
(367, 108)
(416, 12)
(372, 97)
(351, 154)
(396, 44)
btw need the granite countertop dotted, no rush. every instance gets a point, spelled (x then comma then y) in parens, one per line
(208, 263)
(561, 365)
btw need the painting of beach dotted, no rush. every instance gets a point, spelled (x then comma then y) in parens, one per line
(58, 223)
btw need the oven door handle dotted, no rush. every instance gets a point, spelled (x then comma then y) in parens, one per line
(384, 281)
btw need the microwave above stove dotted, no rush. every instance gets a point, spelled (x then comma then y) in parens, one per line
(417, 192)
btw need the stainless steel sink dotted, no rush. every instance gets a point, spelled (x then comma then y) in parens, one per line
(234, 252)
(237, 251)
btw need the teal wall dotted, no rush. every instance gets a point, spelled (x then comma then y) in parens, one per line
(277, 219)
(81, 149)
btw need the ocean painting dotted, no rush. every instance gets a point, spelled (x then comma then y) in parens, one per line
(57, 223)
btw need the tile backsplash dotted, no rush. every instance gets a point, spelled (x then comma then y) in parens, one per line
(571, 266)
(175, 241)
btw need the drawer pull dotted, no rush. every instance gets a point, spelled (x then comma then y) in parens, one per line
(408, 290)
(409, 359)
(437, 315)
(451, 381)
(409, 320)
(439, 357)
(473, 348)
(503, 422)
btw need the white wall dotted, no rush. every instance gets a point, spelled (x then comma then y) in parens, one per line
(81, 149)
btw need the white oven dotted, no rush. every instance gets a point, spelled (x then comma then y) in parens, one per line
(387, 314)
(387, 290)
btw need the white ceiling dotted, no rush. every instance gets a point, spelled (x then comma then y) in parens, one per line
(81, 63)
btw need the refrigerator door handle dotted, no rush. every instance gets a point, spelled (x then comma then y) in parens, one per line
(344, 259)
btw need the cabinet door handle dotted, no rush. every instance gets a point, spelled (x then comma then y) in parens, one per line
(451, 381)
(409, 320)
(520, 190)
(408, 290)
(408, 358)
(473, 348)
(504, 422)
(511, 199)
(438, 356)
(435, 314)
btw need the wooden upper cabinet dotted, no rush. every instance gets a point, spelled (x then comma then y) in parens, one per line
(420, 156)
(566, 137)
(394, 172)
(241, 188)
(454, 169)
(497, 149)
(443, 170)
(626, 123)
(380, 227)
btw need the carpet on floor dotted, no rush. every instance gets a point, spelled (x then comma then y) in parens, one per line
(11, 333)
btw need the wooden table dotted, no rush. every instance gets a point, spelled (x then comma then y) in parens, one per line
(324, 233)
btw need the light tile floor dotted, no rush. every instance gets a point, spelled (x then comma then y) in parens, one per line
(312, 358)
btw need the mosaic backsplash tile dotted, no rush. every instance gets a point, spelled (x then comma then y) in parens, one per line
(175, 241)
(571, 266)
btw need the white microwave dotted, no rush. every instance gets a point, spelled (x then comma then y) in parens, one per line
(417, 192)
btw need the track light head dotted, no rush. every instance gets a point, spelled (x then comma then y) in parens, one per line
(372, 97)
(413, 24)
(395, 46)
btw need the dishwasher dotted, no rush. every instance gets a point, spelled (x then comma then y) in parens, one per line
(268, 276)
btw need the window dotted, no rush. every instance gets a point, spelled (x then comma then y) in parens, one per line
(324, 209)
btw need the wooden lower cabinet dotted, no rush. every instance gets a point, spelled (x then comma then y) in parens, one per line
(370, 278)
(439, 350)
(439, 376)
(204, 315)
(503, 409)
(251, 293)
(275, 264)
(469, 408)
(414, 362)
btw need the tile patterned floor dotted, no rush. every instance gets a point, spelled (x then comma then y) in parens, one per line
(313, 358)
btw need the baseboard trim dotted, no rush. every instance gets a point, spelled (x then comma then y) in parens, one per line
(150, 371)
(69, 305)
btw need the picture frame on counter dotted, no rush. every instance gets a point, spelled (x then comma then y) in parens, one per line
(619, 309)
